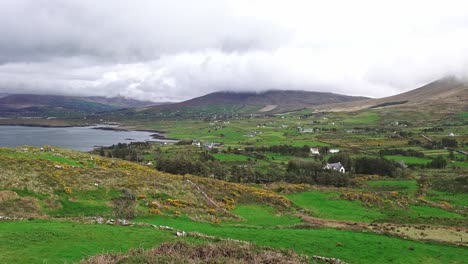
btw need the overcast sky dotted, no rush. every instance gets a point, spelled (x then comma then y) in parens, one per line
(174, 50)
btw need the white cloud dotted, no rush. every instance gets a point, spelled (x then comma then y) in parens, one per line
(175, 50)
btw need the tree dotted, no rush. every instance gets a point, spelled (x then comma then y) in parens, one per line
(101, 152)
(380, 166)
(449, 142)
(438, 163)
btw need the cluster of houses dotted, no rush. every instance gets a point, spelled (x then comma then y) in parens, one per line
(329, 166)
(207, 145)
(313, 151)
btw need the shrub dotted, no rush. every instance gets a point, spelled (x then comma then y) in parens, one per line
(125, 205)
(68, 190)
(438, 163)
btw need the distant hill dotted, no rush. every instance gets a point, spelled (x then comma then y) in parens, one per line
(449, 93)
(121, 102)
(60, 106)
(251, 102)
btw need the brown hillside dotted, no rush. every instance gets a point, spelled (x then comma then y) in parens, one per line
(269, 101)
(448, 92)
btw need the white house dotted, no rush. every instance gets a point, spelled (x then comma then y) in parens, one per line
(196, 143)
(335, 166)
(314, 151)
(333, 151)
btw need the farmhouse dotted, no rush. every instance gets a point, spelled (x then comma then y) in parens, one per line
(210, 145)
(314, 151)
(402, 164)
(335, 166)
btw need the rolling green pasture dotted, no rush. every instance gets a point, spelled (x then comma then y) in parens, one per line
(393, 185)
(41, 241)
(350, 246)
(460, 164)
(366, 117)
(462, 115)
(325, 205)
(45, 156)
(457, 199)
(257, 215)
(230, 157)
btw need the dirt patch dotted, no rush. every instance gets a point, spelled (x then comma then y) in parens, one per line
(454, 235)
(53, 203)
(8, 196)
(220, 252)
(268, 108)
(21, 207)
(444, 234)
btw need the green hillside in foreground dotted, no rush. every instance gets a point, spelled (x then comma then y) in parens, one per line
(57, 197)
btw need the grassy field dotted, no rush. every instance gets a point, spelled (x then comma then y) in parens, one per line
(42, 241)
(29, 241)
(256, 215)
(393, 185)
(231, 157)
(457, 199)
(85, 186)
(353, 247)
(44, 156)
(326, 205)
(329, 205)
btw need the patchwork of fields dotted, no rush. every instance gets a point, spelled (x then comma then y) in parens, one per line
(53, 197)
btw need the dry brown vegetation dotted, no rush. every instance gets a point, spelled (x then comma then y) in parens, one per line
(76, 172)
(182, 252)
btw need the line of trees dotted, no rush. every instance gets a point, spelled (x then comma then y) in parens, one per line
(286, 150)
(404, 152)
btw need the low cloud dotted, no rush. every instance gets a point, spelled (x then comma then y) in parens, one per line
(174, 50)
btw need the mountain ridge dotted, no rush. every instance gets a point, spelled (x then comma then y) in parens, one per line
(37, 105)
(449, 92)
(268, 101)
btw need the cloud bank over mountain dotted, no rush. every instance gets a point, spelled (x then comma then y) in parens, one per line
(175, 50)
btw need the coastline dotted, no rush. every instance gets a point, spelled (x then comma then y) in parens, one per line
(158, 134)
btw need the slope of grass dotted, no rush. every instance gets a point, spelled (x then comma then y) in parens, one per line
(45, 156)
(323, 205)
(59, 242)
(393, 185)
(353, 247)
(366, 117)
(457, 199)
(427, 212)
(230, 157)
(263, 216)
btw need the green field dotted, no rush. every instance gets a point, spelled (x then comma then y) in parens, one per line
(231, 157)
(256, 215)
(346, 245)
(45, 156)
(325, 205)
(60, 241)
(274, 199)
(393, 185)
(329, 206)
